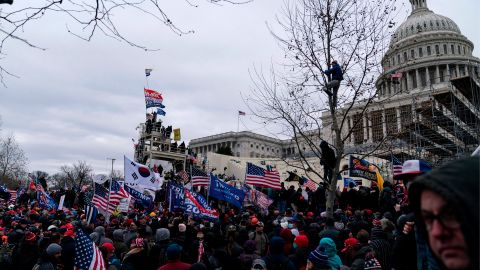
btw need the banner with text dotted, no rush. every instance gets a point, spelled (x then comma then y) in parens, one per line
(362, 168)
(225, 192)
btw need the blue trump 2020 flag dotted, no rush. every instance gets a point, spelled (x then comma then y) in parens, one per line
(225, 192)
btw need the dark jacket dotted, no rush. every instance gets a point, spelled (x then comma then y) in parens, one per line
(68, 252)
(299, 259)
(336, 72)
(135, 259)
(359, 258)
(458, 184)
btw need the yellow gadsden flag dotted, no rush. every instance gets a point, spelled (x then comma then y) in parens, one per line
(176, 134)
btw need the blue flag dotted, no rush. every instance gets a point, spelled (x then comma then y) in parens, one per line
(196, 205)
(161, 112)
(176, 197)
(44, 200)
(146, 200)
(225, 192)
(347, 181)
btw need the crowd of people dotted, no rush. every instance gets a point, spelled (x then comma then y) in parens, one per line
(425, 220)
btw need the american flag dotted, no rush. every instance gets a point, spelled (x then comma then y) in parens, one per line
(397, 166)
(199, 178)
(241, 113)
(117, 193)
(87, 255)
(183, 174)
(397, 75)
(309, 183)
(13, 196)
(100, 197)
(257, 176)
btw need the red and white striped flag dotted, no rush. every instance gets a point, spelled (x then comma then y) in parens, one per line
(183, 174)
(87, 255)
(100, 197)
(397, 169)
(310, 184)
(199, 178)
(257, 176)
(117, 193)
(13, 196)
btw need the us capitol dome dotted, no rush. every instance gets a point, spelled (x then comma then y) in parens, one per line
(428, 95)
(427, 49)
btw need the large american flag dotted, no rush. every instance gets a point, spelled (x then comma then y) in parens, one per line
(397, 166)
(257, 176)
(87, 255)
(199, 178)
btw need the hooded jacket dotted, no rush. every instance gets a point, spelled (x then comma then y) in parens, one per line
(458, 183)
(331, 250)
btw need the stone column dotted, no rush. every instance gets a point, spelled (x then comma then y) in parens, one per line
(370, 132)
(417, 78)
(449, 76)
(399, 121)
(427, 77)
(384, 124)
(409, 81)
(437, 74)
(365, 129)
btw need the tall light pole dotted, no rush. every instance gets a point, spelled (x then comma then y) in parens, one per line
(113, 160)
(110, 185)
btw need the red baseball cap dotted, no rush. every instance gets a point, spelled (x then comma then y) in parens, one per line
(350, 242)
(109, 246)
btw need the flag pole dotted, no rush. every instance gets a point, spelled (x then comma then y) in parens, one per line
(110, 188)
(238, 121)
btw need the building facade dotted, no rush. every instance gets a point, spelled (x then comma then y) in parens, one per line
(429, 108)
(244, 144)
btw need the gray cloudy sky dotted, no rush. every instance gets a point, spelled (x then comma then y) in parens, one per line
(82, 100)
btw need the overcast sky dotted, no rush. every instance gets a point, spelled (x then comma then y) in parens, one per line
(82, 100)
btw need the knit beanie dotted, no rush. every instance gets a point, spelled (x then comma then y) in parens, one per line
(118, 235)
(319, 257)
(100, 230)
(162, 234)
(53, 249)
(173, 251)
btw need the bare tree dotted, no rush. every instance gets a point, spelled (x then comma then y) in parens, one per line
(85, 19)
(13, 162)
(117, 174)
(77, 174)
(291, 95)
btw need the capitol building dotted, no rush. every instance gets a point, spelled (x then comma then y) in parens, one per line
(430, 110)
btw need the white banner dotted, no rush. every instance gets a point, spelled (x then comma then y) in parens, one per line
(124, 204)
(139, 176)
(60, 205)
(100, 178)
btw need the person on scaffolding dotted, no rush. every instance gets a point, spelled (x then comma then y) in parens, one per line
(336, 74)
